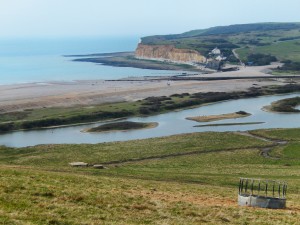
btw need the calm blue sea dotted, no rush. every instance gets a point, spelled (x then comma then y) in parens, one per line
(42, 60)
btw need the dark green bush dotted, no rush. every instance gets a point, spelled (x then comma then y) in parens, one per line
(5, 127)
(292, 66)
(261, 59)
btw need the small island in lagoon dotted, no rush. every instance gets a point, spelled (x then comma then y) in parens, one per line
(210, 118)
(121, 126)
(287, 105)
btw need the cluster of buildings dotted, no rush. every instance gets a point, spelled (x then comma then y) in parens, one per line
(215, 59)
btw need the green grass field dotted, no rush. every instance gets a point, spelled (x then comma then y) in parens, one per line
(182, 179)
(288, 50)
(277, 39)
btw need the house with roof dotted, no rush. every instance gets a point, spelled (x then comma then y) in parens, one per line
(216, 51)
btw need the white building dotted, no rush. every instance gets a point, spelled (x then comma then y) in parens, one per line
(220, 58)
(216, 51)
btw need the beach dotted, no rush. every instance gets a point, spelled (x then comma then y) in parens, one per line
(19, 97)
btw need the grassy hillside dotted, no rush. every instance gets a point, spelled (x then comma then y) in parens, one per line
(182, 179)
(231, 29)
(285, 50)
(277, 39)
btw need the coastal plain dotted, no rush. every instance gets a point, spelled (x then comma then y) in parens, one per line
(179, 179)
(19, 97)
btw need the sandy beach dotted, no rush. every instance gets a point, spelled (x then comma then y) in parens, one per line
(65, 94)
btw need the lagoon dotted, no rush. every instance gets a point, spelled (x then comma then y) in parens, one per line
(169, 124)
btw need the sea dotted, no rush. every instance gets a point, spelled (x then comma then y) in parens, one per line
(43, 60)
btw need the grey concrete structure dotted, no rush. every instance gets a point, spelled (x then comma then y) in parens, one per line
(262, 193)
(261, 201)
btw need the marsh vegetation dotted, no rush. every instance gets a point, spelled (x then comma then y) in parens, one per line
(285, 105)
(52, 117)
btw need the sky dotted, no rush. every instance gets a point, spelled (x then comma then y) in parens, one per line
(82, 18)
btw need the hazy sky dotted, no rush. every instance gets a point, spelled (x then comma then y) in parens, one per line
(57, 18)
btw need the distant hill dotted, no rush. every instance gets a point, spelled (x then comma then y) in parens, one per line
(232, 29)
(281, 40)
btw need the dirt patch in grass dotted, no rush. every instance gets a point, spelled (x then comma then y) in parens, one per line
(183, 197)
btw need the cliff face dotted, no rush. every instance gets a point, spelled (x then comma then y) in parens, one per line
(168, 52)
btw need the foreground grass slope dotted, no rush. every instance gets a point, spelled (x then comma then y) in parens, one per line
(58, 156)
(182, 179)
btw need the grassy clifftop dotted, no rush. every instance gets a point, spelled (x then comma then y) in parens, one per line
(267, 38)
(226, 30)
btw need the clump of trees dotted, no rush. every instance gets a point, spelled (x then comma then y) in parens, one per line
(5, 127)
(153, 104)
(290, 65)
(260, 59)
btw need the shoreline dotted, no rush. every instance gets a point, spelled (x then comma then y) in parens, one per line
(243, 72)
(88, 93)
(128, 59)
(34, 95)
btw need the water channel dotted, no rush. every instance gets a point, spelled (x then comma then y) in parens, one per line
(169, 124)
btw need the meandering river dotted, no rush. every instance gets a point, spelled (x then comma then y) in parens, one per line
(169, 124)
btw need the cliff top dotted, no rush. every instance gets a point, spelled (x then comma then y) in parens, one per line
(225, 30)
(275, 39)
